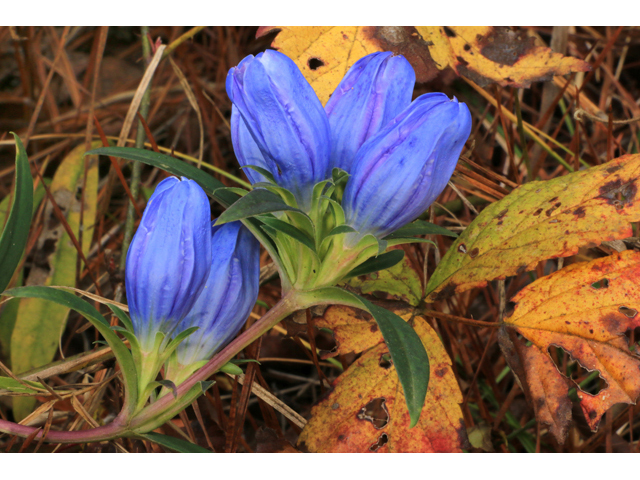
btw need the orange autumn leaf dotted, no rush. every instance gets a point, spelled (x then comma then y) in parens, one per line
(541, 220)
(483, 54)
(366, 410)
(585, 309)
(496, 55)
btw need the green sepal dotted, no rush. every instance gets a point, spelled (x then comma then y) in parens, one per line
(289, 230)
(169, 385)
(231, 368)
(206, 384)
(375, 264)
(173, 344)
(340, 229)
(338, 175)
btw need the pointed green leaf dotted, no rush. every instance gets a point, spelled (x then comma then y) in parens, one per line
(341, 229)
(374, 264)
(401, 241)
(69, 300)
(238, 191)
(256, 202)
(265, 173)
(14, 236)
(407, 350)
(180, 446)
(122, 316)
(171, 165)
(12, 385)
(420, 227)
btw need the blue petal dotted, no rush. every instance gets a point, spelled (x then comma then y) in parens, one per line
(228, 297)
(399, 172)
(373, 92)
(285, 118)
(169, 258)
(247, 151)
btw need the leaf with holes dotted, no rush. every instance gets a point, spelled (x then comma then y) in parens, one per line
(497, 55)
(584, 309)
(366, 410)
(324, 54)
(401, 281)
(541, 220)
(483, 54)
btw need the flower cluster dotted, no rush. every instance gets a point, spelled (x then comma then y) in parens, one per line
(187, 280)
(398, 154)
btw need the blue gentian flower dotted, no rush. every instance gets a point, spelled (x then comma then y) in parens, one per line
(275, 106)
(169, 259)
(228, 296)
(400, 155)
(374, 90)
(401, 170)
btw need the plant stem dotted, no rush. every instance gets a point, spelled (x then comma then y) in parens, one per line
(154, 415)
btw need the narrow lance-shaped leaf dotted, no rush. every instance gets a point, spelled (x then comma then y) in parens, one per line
(256, 202)
(365, 411)
(407, 351)
(69, 300)
(180, 446)
(16, 230)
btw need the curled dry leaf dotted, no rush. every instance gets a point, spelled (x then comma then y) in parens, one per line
(366, 411)
(497, 55)
(585, 309)
(541, 220)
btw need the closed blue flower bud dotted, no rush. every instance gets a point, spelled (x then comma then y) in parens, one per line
(373, 92)
(228, 297)
(400, 171)
(285, 119)
(169, 259)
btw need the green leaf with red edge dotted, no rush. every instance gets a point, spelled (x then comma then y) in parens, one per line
(541, 220)
(585, 309)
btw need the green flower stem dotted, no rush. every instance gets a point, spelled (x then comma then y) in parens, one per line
(115, 429)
